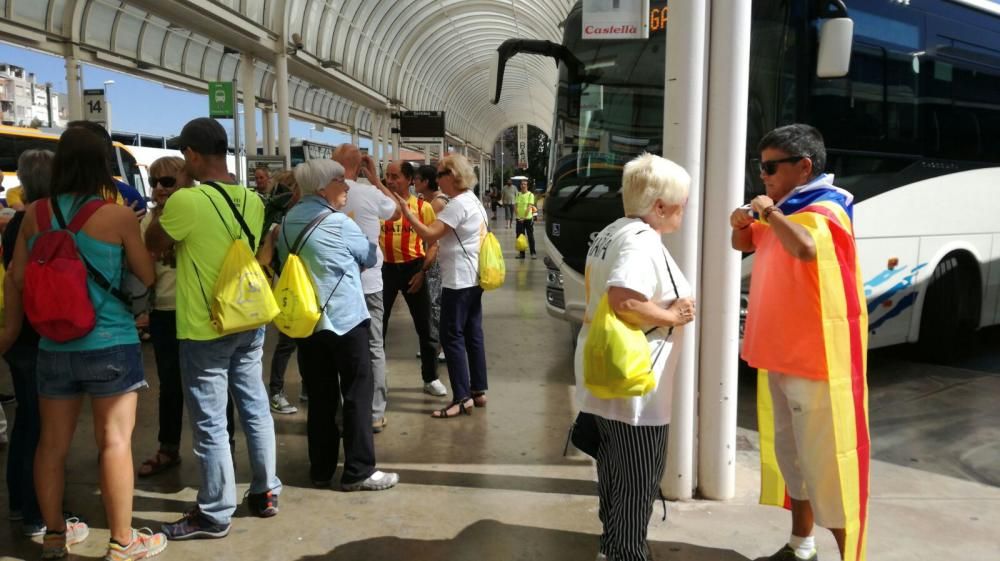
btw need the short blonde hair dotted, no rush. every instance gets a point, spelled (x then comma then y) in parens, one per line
(649, 178)
(317, 174)
(461, 170)
(171, 165)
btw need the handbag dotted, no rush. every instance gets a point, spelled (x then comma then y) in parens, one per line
(584, 435)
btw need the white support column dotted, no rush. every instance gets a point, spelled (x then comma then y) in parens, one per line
(397, 149)
(684, 119)
(427, 154)
(247, 85)
(74, 84)
(267, 120)
(281, 85)
(355, 136)
(719, 298)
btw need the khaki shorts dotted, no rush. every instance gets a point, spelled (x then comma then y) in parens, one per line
(805, 446)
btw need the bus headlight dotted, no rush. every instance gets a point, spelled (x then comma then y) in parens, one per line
(744, 303)
(554, 294)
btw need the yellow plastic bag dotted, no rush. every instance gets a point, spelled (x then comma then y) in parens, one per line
(616, 360)
(296, 296)
(242, 299)
(521, 245)
(492, 269)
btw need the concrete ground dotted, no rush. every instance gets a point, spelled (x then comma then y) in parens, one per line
(496, 487)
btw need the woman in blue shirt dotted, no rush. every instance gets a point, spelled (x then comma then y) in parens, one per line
(334, 360)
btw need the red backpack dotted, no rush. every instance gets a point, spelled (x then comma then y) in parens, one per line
(56, 299)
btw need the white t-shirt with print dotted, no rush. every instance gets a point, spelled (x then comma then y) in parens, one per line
(467, 218)
(367, 205)
(629, 254)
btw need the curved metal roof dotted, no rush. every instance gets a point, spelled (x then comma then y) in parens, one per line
(358, 57)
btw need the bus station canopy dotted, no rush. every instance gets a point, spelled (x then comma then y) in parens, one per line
(355, 58)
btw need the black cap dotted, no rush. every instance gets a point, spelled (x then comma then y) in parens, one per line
(204, 136)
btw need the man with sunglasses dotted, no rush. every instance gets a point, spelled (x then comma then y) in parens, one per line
(806, 331)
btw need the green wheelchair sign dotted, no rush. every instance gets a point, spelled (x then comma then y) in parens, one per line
(221, 101)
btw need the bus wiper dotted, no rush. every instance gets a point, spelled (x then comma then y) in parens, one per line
(581, 191)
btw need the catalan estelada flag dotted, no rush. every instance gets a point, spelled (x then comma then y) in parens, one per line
(809, 319)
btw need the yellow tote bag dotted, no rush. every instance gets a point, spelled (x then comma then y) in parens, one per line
(616, 361)
(298, 310)
(242, 299)
(295, 292)
(521, 245)
(492, 268)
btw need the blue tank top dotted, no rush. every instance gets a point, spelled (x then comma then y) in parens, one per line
(115, 324)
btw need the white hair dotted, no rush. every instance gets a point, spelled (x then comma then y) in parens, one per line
(649, 178)
(317, 174)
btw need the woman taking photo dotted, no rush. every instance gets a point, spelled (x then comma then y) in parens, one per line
(334, 360)
(105, 363)
(459, 228)
(645, 289)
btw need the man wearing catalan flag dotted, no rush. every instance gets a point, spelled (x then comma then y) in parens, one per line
(807, 333)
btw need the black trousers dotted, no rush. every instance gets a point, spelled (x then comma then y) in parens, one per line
(279, 363)
(395, 279)
(334, 366)
(526, 227)
(166, 349)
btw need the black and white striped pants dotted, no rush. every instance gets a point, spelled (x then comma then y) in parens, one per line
(630, 463)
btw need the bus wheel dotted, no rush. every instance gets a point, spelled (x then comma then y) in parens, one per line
(951, 309)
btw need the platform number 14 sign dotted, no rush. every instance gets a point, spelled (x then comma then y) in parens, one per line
(95, 106)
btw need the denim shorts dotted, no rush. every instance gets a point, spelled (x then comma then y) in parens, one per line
(99, 373)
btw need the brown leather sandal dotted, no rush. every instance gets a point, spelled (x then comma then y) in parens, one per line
(462, 410)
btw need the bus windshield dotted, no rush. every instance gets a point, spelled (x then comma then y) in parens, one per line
(610, 114)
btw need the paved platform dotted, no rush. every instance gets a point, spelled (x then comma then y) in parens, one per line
(496, 487)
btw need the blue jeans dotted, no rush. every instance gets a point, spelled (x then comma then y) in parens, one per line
(24, 438)
(210, 371)
(104, 372)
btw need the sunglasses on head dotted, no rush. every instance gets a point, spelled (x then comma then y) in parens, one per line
(165, 181)
(770, 167)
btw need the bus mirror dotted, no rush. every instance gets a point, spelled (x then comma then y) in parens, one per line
(834, 58)
(495, 78)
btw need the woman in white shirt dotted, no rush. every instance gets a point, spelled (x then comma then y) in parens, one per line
(459, 227)
(645, 289)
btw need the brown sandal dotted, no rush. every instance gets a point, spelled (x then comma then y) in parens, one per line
(479, 399)
(462, 410)
(157, 464)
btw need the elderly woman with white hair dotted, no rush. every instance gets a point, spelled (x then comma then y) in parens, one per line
(628, 262)
(334, 359)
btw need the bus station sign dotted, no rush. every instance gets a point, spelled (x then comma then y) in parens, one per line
(615, 19)
(221, 101)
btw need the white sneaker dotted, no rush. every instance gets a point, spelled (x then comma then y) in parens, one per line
(601, 556)
(378, 481)
(435, 388)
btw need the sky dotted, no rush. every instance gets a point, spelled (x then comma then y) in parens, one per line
(144, 106)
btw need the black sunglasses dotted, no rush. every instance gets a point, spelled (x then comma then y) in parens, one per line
(166, 181)
(444, 172)
(770, 167)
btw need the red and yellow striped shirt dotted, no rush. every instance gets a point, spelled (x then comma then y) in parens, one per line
(398, 241)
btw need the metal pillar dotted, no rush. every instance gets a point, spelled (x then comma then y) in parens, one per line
(249, 104)
(74, 85)
(683, 126)
(355, 136)
(281, 85)
(267, 134)
(719, 300)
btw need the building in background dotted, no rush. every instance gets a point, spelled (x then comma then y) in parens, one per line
(26, 103)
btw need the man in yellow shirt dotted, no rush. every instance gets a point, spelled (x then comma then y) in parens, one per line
(404, 270)
(524, 208)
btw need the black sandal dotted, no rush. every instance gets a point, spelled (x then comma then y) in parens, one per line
(462, 410)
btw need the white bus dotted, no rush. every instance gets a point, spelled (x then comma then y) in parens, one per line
(913, 131)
